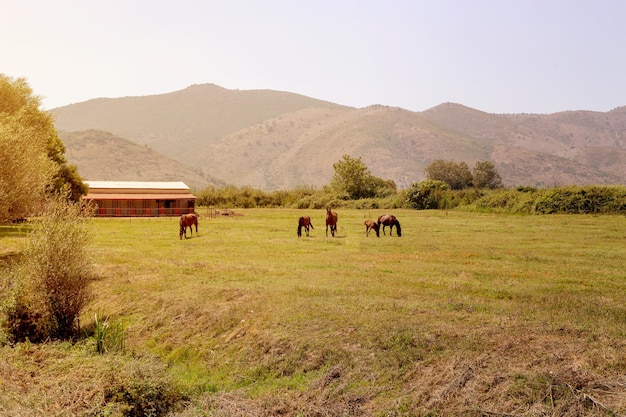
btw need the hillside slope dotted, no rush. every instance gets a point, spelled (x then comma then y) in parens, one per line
(105, 157)
(276, 140)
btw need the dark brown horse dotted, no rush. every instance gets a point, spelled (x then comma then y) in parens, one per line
(187, 221)
(371, 225)
(331, 220)
(391, 221)
(304, 221)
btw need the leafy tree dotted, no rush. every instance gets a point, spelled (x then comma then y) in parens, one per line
(31, 153)
(457, 175)
(352, 179)
(25, 133)
(429, 194)
(485, 175)
(384, 188)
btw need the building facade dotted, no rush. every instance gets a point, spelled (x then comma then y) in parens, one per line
(140, 198)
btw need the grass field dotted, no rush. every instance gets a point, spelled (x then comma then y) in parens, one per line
(465, 314)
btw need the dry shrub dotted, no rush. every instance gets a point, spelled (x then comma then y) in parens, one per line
(50, 285)
(142, 388)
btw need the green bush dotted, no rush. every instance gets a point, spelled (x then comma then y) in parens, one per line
(582, 200)
(429, 194)
(566, 200)
(505, 200)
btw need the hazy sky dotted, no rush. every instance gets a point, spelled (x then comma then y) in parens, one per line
(499, 56)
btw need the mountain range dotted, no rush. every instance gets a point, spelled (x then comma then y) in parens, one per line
(208, 135)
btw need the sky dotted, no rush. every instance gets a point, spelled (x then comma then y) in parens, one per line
(498, 56)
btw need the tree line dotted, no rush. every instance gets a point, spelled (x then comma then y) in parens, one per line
(448, 185)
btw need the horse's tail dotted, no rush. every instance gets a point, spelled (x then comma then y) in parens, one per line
(311, 225)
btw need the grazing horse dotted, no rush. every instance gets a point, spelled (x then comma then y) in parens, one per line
(391, 221)
(304, 221)
(331, 220)
(187, 221)
(369, 225)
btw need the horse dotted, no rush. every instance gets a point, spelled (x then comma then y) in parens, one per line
(391, 221)
(331, 220)
(369, 225)
(187, 221)
(304, 221)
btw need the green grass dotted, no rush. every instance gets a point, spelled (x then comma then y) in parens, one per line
(465, 314)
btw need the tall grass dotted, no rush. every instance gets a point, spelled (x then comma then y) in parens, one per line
(108, 337)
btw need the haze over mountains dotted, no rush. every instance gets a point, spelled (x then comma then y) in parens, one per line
(272, 140)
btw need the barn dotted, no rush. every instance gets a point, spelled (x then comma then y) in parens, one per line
(140, 198)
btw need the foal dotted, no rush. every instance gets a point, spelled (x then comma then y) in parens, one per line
(371, 224)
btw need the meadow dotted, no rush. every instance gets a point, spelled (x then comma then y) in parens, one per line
(472, 314)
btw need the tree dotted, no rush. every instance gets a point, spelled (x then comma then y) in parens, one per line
(31, 153)
(429, 194)
(485, 175)
(353, 180)
(25, 133)
(457, 175)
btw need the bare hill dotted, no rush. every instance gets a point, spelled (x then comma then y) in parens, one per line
(276, 140)
(175, 123)
(103, 156)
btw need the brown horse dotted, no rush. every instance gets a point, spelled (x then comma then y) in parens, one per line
(369, 225)
(331, 220)
(187, 221)
(304, 221)
(391, 221)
